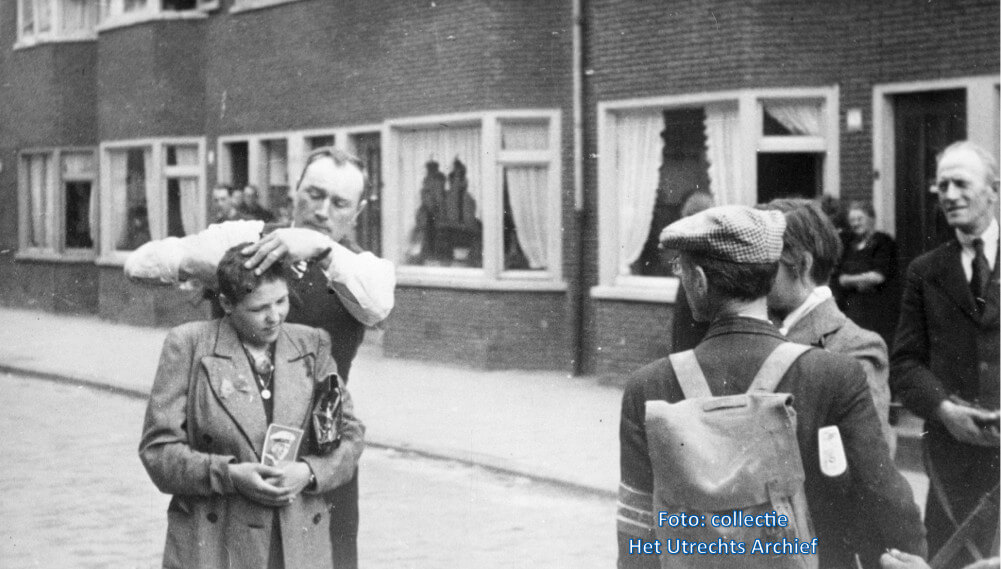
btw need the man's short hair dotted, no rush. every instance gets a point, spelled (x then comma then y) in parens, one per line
(986, 158)
(340, 158)
(237, 281)
(808, 230)
(738, 281)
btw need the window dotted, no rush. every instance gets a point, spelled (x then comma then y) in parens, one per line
(124, 12)
(58, 202)
(241, 5)
(151, 190)
(669, 155)
(49, 20)
(477, 200)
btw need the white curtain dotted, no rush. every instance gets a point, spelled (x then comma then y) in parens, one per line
(92, 214)
(155, 199)
(528, 192)
(191, 206)
(44, 20)
(442, 145)
(798, 118)
(79, 15)
(722, 129)
(118, 200)
(41, 206)
(637, 175)
(277, 164)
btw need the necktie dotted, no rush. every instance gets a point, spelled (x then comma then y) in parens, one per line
(981, 273)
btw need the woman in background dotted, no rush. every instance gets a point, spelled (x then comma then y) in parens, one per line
(868, 291)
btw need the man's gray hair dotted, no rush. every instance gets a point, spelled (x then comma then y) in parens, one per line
(986, 158)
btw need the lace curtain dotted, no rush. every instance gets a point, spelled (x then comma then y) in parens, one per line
(722, 130)
(637, 163)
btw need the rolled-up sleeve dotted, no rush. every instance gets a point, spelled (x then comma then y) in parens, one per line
(365, 284)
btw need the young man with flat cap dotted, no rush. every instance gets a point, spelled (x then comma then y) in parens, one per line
(728, 261)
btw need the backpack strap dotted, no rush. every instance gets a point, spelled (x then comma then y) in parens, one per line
(690, 377)
(776, 365)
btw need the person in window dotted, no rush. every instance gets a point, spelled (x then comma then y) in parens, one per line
(136, 229)
(341, 289)
(251, 207)
(867, 282)
(223, 206)
(205, 427)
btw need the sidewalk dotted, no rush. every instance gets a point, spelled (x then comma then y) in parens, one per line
(544, 425)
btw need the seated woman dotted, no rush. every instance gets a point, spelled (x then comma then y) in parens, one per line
(867, 284)
(219, 387)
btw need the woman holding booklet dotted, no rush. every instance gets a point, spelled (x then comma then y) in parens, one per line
(247, 425)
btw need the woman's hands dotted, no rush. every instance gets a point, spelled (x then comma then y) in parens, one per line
(268, 485)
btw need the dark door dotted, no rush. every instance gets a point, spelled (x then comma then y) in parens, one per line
(369, 148)
(925, 123)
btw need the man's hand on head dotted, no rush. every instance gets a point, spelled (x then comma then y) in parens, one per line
(293, 243)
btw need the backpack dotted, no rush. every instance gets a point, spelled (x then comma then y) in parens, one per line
(728, 461)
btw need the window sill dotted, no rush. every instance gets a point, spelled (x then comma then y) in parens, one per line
(54, 257)
(113, 259)
(126, 21)
(35, 42)
(660, 290)
(473, 279)
(239, 7)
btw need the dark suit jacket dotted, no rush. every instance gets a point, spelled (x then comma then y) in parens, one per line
(943, 345)
(828, 389)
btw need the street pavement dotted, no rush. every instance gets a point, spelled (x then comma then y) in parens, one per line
(74, 494)
(545, 425)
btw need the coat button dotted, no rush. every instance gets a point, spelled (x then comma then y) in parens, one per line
(317, 518)
(984, 366)
(212, 517)
(207, 438)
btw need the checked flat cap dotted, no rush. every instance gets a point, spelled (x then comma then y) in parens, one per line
(734, 233)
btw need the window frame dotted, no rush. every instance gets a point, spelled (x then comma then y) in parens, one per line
(750, 109)
(116, 17)
(54, 34)
(239, 6)
(108, 254)
(57, 251)
(491, 276)
(983, 122)
(297, 149)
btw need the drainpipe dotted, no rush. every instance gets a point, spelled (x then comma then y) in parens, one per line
(580, 290)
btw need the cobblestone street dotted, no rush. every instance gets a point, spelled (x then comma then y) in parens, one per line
(73, 494)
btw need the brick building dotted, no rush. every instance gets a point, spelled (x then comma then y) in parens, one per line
(522, 154)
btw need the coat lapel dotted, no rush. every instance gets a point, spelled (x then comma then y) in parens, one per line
(234, 385)
(990, 313)
(951, 280)
(293, 384)
(815, 325)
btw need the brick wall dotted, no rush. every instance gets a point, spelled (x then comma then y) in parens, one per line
(640, 49)
(151, 80)
(486, 329)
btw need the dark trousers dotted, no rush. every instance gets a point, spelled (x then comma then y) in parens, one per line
(966, 473)
(343, 502)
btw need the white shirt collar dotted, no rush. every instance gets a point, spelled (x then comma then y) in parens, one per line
(816, 297)
(990, 239)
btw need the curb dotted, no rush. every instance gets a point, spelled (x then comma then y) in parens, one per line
(493, 464)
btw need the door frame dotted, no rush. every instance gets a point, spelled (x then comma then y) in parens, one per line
(982, 102)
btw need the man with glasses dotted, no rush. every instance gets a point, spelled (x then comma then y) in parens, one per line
(341, 290)
(944, 365)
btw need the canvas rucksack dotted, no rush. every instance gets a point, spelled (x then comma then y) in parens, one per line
(722, 459)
